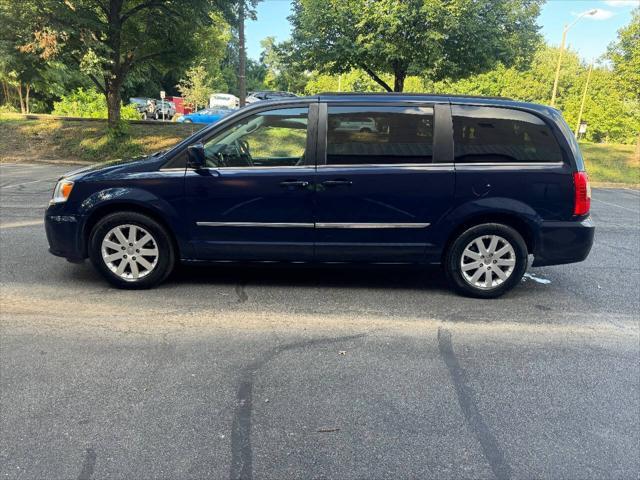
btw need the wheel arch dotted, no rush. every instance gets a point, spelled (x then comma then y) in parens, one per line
(102, 211)
(524, 228)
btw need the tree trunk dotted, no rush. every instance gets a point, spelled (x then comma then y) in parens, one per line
(242, 85)
(375, 77)
(27, 90)
(399, 74)
(398, 82)
(113, 104)
(20, 97)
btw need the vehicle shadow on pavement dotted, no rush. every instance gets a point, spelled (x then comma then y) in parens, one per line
(360, 277)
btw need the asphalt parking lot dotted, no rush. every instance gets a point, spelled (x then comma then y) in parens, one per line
(315, 373)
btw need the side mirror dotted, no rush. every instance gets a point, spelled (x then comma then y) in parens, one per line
(196, 156)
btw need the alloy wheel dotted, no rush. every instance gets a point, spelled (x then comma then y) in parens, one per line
(487, 262)
(130, 252)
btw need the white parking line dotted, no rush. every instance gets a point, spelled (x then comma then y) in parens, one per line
(616, 205)
(28, 183)
(29, 223)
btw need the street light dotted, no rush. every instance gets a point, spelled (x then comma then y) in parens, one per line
(564, 37)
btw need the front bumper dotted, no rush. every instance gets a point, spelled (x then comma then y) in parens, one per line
(563, 242)
(64, 234)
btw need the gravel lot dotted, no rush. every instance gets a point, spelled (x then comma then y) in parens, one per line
(315, 373)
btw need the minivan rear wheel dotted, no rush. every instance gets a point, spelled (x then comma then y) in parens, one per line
(486, 260)
(131, 250)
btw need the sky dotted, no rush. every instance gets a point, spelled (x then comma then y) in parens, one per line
(589, 37)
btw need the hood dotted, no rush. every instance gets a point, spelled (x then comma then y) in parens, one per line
(114, 167)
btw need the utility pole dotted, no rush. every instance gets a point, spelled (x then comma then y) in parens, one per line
(242, 79)
(562, 42)
(584, 97)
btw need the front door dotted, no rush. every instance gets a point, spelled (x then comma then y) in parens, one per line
(254, 199)
(382, 182)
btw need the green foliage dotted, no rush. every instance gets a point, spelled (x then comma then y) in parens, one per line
(89, 104)
(431, 38)
(196, 87)
(610, 115)
(625, 56)
(108, 41)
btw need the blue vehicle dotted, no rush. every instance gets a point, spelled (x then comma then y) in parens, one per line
(206, 115)
(476, 185)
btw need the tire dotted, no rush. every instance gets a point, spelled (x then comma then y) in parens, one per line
(365, 130)
(149, 270)
(479, 279)
(145, 116)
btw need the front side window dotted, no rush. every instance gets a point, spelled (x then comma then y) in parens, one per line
(275, 138)
(501, 135)
(379, 135)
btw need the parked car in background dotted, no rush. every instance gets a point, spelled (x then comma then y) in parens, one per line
(355, 124)
(225, 100)
(268, 95)
(476, 185)
(142, 105)
(206, 115)
(182, 108)
(163, 109)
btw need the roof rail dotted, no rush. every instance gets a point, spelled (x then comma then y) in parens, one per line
(415, 95)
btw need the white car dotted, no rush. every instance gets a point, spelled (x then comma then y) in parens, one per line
(223, 100)
(348, 124)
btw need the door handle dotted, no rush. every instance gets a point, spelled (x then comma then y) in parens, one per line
(337, 183)
(294, 183)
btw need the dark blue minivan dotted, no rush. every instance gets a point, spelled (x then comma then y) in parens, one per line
(474, 184)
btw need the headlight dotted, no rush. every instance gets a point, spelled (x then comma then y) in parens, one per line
(62, 191)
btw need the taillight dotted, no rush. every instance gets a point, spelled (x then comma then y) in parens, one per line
(582, 193)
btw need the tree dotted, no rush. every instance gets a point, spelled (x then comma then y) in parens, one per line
(610, 115)
(281, 73)
(433, 38)
(110, 39)
(195, 88)
(624, 53)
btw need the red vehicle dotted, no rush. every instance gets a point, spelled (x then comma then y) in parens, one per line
(182, 108)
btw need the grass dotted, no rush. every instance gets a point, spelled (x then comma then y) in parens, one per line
(51, 140)
(612, 163)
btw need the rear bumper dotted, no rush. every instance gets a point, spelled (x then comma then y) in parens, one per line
(64, 235)
(563, 242)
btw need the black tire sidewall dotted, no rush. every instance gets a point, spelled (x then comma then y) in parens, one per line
(452, 259)
(166, 258)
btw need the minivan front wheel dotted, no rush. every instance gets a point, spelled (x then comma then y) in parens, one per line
(486, 260)
(131, 250)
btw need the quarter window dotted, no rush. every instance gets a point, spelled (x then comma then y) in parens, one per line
(501, 135)
(379, 135)
(275, 138)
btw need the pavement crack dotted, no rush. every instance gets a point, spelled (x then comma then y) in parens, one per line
(469, 406)
(88, 465)
(241, 292)
(241, 450)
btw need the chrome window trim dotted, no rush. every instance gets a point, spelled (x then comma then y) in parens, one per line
(509, 164)
(281, 167)
(313, 225)
(434, 166)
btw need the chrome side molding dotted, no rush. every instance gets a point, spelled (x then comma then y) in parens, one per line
(372, 225)
(312, 225)
(255, 224)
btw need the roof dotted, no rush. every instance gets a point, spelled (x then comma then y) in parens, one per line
(393, 97)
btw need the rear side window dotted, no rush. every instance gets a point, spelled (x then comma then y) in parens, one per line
(501, 135)
(367, 135)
